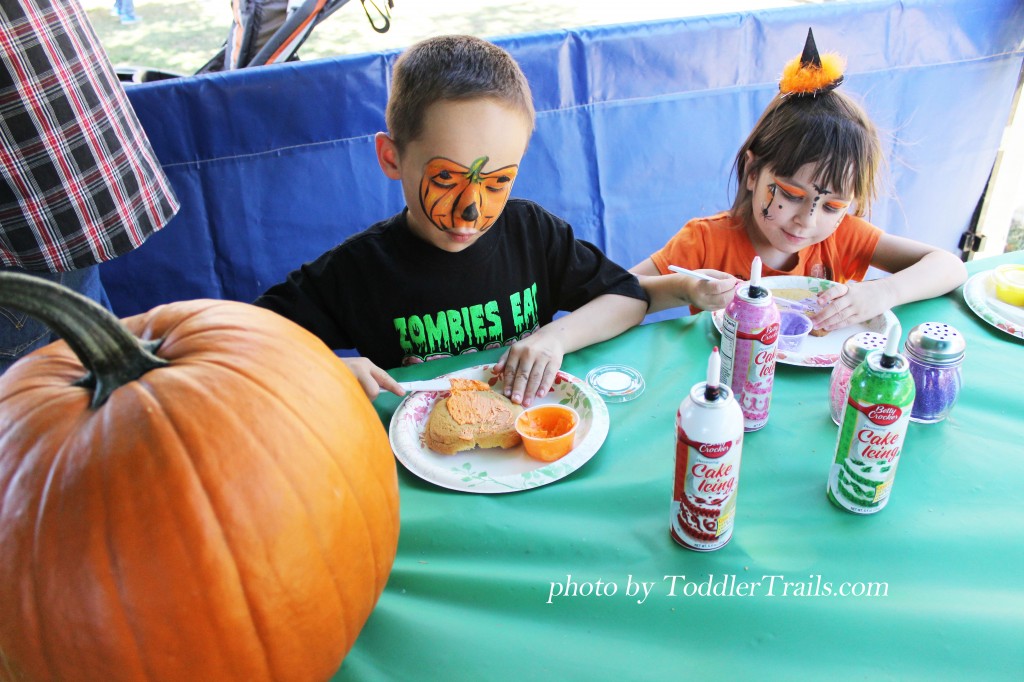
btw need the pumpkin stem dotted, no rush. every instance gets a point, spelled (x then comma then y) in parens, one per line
(105, 347)
(474, 169)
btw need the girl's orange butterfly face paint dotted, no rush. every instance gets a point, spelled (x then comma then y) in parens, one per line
(458, 197)
(796, 197)
(792, 212)
(769, 197)
(836, 206)
(792, 190)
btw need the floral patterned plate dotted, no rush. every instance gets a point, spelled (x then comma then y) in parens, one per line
(980, 295)
(495, 470)
(816, 351)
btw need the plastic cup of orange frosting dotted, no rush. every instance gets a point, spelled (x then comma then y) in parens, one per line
(548, 431)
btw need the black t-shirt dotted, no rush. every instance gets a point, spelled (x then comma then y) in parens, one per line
(399, 300)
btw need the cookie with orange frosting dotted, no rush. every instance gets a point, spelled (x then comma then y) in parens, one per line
(472, 416)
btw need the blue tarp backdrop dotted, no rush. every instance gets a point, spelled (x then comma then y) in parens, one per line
(637, 126)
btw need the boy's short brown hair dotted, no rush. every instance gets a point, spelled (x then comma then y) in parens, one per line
(455, 67)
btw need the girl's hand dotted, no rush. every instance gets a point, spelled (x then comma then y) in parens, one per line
(675, 289)
(529, 367)
(853, 303)
(712, 295)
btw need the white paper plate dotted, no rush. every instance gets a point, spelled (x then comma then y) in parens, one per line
(495, 470)
(816, 351)
(980, 296)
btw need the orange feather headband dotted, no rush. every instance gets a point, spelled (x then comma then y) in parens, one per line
(810, 73)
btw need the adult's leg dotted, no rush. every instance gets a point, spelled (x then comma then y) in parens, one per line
(21, 334)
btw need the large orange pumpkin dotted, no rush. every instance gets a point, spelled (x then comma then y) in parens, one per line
(457, 196)
(219, 503)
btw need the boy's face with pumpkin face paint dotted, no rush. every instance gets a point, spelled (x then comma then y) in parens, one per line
(457, 175)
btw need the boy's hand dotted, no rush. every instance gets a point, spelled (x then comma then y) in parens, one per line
(853, 303)
(529, 367)
(372, 378)
(712, 295)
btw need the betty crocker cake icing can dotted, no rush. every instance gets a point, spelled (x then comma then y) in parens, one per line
(873, 431)
(709, 443)
(750, 337)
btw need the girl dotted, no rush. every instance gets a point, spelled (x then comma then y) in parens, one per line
(805, 176)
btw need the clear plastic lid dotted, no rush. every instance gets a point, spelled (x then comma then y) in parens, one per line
(616, 383)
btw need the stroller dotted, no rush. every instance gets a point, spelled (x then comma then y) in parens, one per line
(268, 32)
(271, 31)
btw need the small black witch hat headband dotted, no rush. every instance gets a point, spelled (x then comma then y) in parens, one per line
(812, 74)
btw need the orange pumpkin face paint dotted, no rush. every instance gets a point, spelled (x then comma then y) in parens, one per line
(458, 197)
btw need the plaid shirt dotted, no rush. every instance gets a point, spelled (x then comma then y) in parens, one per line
(81, 183)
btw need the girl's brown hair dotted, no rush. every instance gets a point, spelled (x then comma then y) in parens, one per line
(453, 67)
(829, 130)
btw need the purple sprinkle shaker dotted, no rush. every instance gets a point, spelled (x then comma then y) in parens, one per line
(935, 351)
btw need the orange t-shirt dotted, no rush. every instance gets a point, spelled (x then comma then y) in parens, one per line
(721, 243)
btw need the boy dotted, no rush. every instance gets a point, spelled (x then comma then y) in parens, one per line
(460, 269)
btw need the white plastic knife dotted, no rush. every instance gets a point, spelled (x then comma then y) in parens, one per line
(429, 385)
(795, 305)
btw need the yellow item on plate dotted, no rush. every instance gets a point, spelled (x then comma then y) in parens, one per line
(1009, 281)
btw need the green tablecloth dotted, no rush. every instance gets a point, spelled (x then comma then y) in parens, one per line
(468, 595)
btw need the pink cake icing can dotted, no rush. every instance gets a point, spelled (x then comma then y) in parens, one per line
(750, 337)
